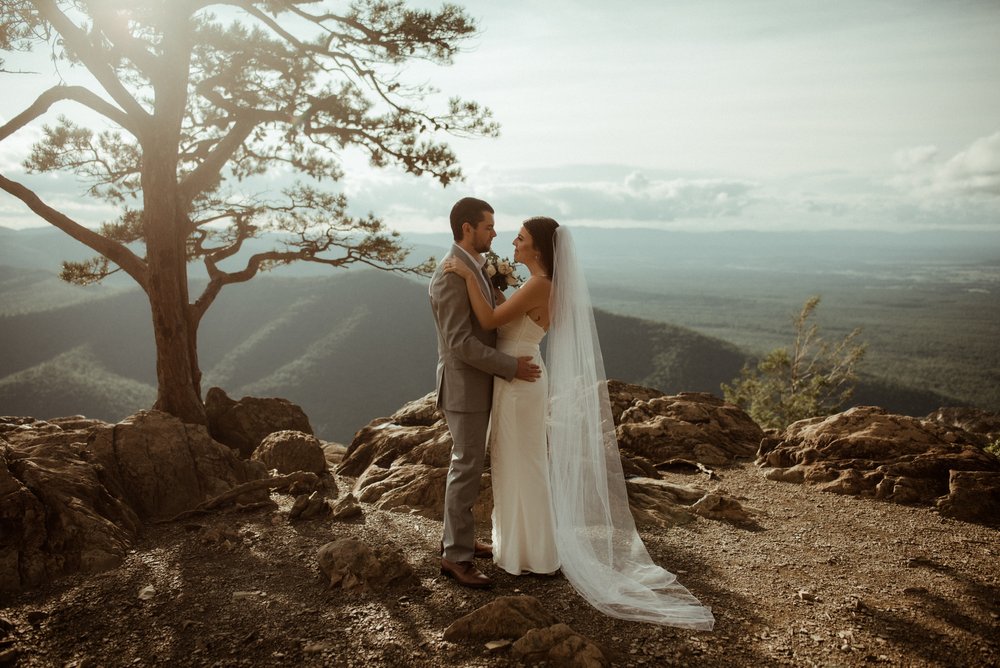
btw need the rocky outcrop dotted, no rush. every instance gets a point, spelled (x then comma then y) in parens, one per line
(979, 423)
(866, 451)
(59, 512)
(74, 492)
(689, 426)
(415, 434)
(289, 451)
(417, 489)
(164, 467)
(349, 563)
(401, 461)
(243, 424)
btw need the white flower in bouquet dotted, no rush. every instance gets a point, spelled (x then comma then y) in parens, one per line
(501, 272)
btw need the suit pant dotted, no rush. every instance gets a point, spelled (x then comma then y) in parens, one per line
(468, 452)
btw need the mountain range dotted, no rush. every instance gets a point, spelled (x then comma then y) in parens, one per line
(347, 346)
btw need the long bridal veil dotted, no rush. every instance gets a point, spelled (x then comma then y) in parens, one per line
(601, 552)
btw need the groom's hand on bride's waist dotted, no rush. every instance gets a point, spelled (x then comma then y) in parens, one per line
(526, 370)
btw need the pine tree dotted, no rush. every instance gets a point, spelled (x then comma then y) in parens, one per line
(202, 94)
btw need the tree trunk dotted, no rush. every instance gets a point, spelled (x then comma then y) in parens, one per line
(165, 226)
(177, 373)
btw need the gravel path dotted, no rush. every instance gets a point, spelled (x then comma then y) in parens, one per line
(818, 579)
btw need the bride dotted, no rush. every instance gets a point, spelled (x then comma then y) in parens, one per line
(558, 487)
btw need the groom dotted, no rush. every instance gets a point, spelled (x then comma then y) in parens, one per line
(467, 363)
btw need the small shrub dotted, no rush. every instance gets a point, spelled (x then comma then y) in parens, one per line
(810, 379)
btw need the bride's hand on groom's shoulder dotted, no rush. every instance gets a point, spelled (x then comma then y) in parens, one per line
(453, 266)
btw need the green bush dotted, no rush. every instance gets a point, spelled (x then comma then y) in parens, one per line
(994, 448)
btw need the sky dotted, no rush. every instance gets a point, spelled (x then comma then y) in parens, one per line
(710, 115)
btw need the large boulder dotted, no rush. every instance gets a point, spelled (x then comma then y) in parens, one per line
(691, 426)
(289, 451)
(416, 489)
(973, 496)
(59, 513)
(164, 467)
(243, 424)
(866, 451)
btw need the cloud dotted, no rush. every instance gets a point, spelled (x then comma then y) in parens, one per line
(976, 170)
(972, 173)
(636, 197)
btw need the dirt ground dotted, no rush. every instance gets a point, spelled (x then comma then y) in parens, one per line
(819, 579)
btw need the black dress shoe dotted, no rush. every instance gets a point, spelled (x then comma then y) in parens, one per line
(466, 574)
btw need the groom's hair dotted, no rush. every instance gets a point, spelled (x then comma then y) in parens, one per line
(467, 210)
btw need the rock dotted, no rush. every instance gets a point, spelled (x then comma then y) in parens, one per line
(693, 426)
(164, 467)
(504, 617)
(289, 451)
(383, 442)
(866, 451)
(309, 507)
(9, 656)
(349, 563)
(559, 645)
(422, 412)
(60, 510)
(243, 424)
(971, 420)
(659, 503)
(346, 509)
(623, 396)
(973, 496)
(718, 506)
(334, 453)
(401, 462)
(147, 593)
(415, 488)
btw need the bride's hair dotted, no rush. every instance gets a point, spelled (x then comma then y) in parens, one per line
(542, 230)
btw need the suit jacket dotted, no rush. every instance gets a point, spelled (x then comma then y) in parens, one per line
(467, 357)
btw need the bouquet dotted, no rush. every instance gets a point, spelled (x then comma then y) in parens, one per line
(501, 272)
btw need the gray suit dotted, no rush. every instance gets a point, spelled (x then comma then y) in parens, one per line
(467, 363)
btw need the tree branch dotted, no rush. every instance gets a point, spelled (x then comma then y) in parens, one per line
(74, 93)
(202, 176)
(118, 253)
(76, 39)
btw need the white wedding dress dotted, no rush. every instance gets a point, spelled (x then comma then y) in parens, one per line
(523, 521)
(559, 492)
